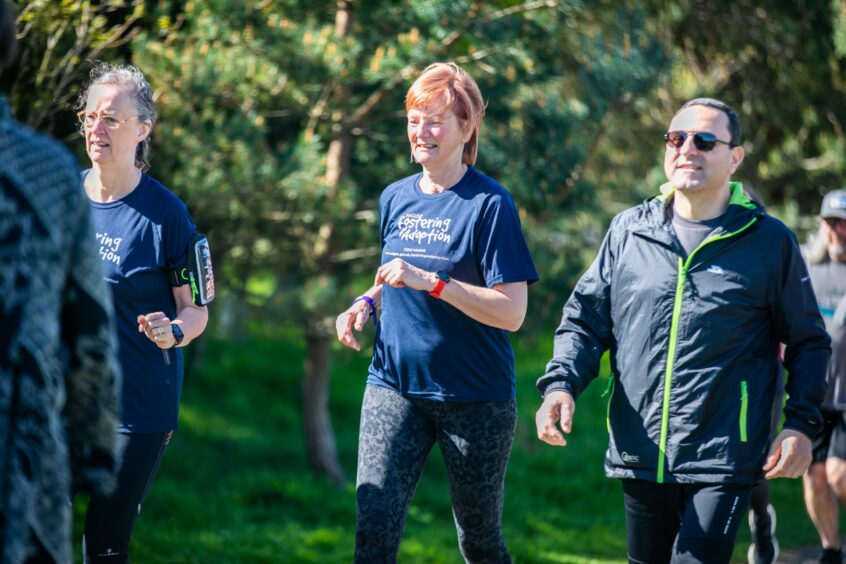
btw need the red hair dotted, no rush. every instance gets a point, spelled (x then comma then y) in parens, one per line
(449, 85)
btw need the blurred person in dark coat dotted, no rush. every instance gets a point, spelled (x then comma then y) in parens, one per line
(58, 373)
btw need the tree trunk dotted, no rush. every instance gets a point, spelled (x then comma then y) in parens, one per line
(232, 316)
(317, 425)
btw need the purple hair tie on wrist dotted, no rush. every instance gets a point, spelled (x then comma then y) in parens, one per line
(372, 305)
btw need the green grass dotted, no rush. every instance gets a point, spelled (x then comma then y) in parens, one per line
(234, 485)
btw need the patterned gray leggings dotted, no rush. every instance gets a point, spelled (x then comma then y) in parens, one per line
(396, 436)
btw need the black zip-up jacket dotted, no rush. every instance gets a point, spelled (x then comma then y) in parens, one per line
(694, 343)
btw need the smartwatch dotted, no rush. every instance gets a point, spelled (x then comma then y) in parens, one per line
(443, 280)
(178, 335)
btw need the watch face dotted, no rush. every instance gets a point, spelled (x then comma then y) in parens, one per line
(177, 333)
(442, 275)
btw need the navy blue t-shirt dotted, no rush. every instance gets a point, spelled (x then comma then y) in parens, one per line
(426, 348)
(140, 237)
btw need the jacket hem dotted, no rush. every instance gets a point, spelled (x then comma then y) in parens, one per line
(650, 475)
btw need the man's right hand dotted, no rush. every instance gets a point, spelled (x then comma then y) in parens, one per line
(354, 317)
(557, 407)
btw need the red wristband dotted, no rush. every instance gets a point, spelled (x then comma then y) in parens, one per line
(439, 287)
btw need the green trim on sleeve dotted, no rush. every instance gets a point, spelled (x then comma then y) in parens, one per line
(608, 392)
(744, 409)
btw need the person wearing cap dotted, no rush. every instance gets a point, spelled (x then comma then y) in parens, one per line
(825, 482)
(691, 292)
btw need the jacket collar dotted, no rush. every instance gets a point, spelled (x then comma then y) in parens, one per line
(737, 197)
(655, 223)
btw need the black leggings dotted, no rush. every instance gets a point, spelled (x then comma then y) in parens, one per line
(682, 523)
(110, 519)
(396, 436)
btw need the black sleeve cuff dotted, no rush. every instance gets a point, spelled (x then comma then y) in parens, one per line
(810, 428)
(557, 386)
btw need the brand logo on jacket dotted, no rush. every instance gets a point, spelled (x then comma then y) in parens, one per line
(716, 269)
(630, 458)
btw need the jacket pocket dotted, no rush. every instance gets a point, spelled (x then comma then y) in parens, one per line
(744, 410)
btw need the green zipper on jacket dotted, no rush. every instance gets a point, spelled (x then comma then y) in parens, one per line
(671, 350)
(744, 408)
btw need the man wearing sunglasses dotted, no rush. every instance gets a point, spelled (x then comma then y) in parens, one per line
(826, 255)
(691, 292)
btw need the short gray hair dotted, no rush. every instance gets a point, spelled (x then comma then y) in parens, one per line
(131, 80)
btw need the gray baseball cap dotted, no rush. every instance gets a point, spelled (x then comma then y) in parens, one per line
(834, 204)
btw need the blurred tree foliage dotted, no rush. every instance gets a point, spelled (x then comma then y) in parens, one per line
(782, 64)
(56, 39)
(252, 98)
(282, 120)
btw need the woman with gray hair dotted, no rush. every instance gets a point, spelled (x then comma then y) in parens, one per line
(144, 235)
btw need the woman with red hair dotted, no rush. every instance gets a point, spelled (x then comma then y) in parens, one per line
(451, 286)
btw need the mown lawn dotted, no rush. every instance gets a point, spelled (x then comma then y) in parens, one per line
(234, 485)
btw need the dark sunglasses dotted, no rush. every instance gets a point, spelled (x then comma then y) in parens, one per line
(701, 140)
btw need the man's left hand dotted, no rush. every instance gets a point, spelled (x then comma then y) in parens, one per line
(790, 455)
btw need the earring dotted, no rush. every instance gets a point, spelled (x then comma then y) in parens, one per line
(411, 157)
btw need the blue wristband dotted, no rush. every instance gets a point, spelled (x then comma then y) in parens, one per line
(372, 305)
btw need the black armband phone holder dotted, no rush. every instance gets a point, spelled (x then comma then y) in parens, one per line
(197, 271)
